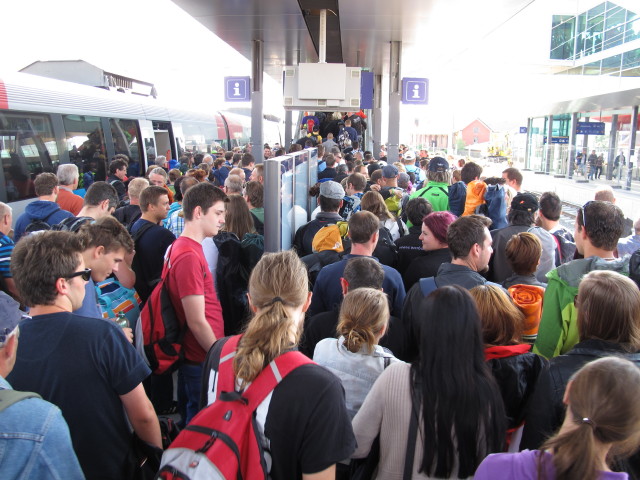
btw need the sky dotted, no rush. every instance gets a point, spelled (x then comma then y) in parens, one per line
(500, 77)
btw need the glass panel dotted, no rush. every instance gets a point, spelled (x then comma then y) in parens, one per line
(614, 25)
(562, 39)
(27, 148)
(85, 143)
(126, 141)
(592, 68)
(593, 41)
(631, 63)
(632, 28)
(581, 35)
(611, 65)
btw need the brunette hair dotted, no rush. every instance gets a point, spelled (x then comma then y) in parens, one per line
(364, 315)
(523, 253)
(373, 202)
(238, 218)
(272, 330)
(603, 403)
(608, 306)
(501, 320)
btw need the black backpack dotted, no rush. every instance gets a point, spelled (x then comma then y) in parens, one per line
(40, 224)
(386, 250)
(71, 224)
(634, 267)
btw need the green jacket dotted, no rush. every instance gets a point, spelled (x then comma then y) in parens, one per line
(558, 331)
(437, 193)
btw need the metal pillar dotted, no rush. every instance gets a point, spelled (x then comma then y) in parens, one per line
(548, 149)
(527, 147)
(632, 146)
(288, 124)
(257, 68)
(572, 145)
(612, 145)
(377, 115)
(394, 102)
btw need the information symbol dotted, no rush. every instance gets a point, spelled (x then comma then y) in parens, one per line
(416, 91)
(236, 89)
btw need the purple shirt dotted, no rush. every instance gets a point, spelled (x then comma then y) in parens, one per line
(524, 466)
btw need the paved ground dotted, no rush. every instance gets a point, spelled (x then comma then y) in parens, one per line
(580, 193)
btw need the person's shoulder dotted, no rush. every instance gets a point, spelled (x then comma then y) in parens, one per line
(391, 273)
(521, 465)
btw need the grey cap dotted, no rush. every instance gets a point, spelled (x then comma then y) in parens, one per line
(10, 316)
(332, 189)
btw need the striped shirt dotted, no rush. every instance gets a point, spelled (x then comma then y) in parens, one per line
(6, 247)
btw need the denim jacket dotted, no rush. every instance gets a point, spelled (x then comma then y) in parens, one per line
(35, 442)
(357, 371)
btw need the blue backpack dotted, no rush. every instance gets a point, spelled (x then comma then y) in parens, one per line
(496, 206)
(457, 198)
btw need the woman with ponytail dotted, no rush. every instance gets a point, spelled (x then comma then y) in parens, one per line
(440, 416)
(303, 422)
(355, 357)
(602, 421)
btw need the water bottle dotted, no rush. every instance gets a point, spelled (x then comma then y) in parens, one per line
(121, 320)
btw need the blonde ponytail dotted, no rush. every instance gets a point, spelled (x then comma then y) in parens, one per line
(364, 315)
(277, 284)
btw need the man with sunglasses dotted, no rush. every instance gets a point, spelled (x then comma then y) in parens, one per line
(83, 365)
(598, 227)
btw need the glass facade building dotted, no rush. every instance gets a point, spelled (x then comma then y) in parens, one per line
(603, 27)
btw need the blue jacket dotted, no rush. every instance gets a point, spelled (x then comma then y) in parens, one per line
(35, 442)
(39, 210)
(327, 292)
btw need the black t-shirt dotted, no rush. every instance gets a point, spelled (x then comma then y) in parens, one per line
(307, 423)
(83, 365)
(128, 214)
(149, 257)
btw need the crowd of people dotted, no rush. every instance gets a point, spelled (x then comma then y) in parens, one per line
(428, 322)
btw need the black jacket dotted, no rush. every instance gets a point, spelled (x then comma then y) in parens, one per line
(545, 412)
(517, 376)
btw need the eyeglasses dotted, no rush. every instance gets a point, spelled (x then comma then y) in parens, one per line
(584, 216)
(85, 274)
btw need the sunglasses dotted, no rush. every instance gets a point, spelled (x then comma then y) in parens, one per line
(584, 216)
(85, 274)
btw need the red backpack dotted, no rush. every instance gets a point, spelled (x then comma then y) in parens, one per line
(220, 442)
(159, 332)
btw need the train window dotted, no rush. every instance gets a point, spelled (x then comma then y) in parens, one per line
(201, 137)
(126, 141)
(27, 148)
(85, 143)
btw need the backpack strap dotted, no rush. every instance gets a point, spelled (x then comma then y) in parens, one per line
(428, 285)
(46, 219)
(8, 397)
(412, 436)
(263, 384)
(141, 231)
(211, 362)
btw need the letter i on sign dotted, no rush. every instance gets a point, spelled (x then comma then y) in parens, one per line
(236, 89)
(416, 91)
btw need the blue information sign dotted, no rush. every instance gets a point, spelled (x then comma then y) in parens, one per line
(415, 91)
(237, 89)
(590, 128)
(366, 90)
(523, 129)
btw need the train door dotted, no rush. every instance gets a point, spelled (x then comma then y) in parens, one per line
(178, 137)
(165, 141)
(149, 144)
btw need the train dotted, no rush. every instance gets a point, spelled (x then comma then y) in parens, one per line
(46, 122)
